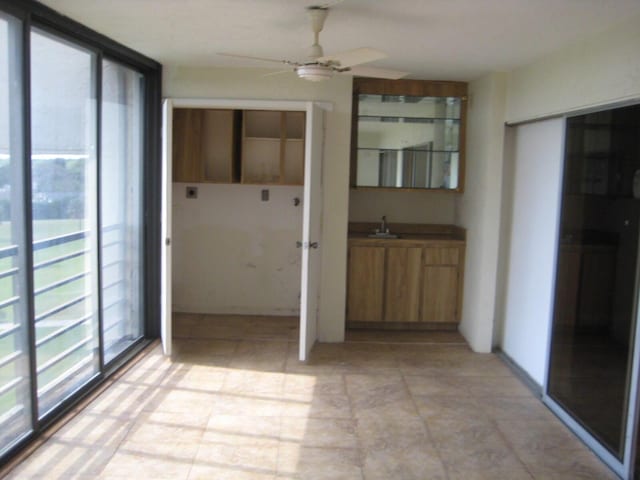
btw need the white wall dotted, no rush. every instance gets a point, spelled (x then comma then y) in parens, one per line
(478, 209)
(601, 70)
(537, 164)
(247, 83)
(234, 253)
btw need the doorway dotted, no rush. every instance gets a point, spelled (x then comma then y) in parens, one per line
(590, 375)
(311, 208)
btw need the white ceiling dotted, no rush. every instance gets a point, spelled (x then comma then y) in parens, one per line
(433, 39)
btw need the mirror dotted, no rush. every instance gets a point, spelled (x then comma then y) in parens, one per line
(406, 141)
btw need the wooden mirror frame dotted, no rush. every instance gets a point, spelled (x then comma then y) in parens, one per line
(418, 88)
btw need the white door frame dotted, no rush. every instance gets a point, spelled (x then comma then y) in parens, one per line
(236, 104)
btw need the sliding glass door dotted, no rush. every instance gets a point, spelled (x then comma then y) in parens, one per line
(121, 207)
(64, 216)
(77, 230)
(596, 299)
(15, 385)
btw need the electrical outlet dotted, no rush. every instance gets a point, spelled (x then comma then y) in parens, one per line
(192, 192)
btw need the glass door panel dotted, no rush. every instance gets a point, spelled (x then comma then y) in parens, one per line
(596, 280)
(15, 385)
(64, 207)
(121, 207)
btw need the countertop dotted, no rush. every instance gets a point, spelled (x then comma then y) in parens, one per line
(408, 232)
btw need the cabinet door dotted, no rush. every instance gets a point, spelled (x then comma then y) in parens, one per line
(440, 293)
(365, 284)
(187, 141)
(217, 145)
(402, 284)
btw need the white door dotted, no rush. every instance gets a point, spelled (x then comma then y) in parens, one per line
(311, 227)
(165, 289)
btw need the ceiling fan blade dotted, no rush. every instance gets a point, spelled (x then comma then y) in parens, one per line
(279, 72)
(355, 56)
(262, 59)
(377, 73)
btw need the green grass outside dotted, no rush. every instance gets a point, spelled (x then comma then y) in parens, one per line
(46, 301)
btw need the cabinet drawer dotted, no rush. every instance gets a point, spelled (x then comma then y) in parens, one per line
(441, 255)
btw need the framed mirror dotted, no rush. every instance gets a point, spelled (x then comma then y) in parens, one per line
(408, 138)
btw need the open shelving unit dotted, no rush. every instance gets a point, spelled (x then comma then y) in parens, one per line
(238, 146)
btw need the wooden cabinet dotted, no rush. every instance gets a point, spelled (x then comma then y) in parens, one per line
(441, 285)
(273, 147)
(205, 145)
(232, 146)
(366, 283)
(402, 284)
(408, 134)
(405, 282)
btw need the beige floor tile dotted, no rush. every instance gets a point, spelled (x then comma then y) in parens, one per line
(317, 406)
(514, 408)
(431, 385)
(380, 433)
(313, 385)
(312, 463)
(561, 464)
(168, 427)
(252, 381)
(253, 459)
(181, 400)
(62, 459)
(448, 407)
(152, 460)
(498, 386)
(243, 430)
(414, 462)
(315, 432)
(235, 403)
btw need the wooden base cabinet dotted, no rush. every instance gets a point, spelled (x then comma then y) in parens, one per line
(402, 284)
(366, 283)
(418, 283)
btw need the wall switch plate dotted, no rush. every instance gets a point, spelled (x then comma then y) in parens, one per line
(265, 195)
(192, 192)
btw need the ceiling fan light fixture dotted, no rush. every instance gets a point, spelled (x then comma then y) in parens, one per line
(314, 73)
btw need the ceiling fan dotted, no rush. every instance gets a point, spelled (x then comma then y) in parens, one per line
(321, 67)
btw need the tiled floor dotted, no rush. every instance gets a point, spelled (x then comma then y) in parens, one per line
(235, 403)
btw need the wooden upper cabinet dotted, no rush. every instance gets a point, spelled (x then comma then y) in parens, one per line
(231, 146)
(187, 145)
(408, 134)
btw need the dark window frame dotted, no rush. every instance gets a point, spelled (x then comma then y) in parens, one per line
(34, 14)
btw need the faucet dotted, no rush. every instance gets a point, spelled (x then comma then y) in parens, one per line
(383, 225)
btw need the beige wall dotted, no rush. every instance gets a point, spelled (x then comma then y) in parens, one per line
(183, 82)
(234, 253)
(601, 70)
(478, 209)
(402, 206)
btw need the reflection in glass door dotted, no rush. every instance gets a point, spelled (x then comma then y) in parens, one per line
(596, 275)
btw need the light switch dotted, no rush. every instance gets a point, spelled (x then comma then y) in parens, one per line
(265, 195)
